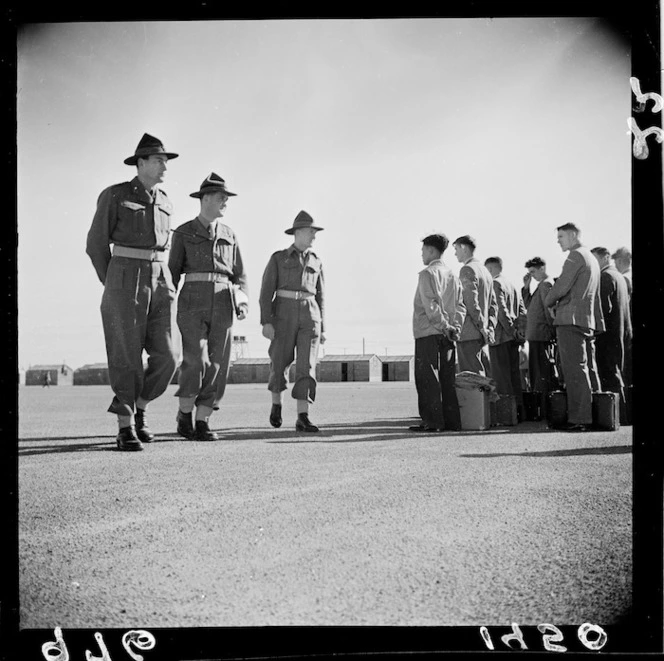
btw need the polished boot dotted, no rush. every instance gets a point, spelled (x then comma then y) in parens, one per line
(127, 440)
(303, 423)
(203, 432)
(185, 425)
(142, 430)
(275, 415)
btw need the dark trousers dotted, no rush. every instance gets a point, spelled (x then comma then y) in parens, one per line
(505, 369)
(435, 358)
(136, 315)
(627, 371)
(541, 358)
(473, 357)
(205, 320)
(297, 330)
(610, 361)
(576, 346)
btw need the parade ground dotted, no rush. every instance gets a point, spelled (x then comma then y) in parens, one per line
(364, 523)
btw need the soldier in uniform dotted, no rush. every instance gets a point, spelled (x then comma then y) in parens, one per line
(292, 316)
(138, 295)
(207, 253)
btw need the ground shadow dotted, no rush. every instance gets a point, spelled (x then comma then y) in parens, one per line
(577, 452)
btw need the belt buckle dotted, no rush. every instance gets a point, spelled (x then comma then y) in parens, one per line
(298, 295)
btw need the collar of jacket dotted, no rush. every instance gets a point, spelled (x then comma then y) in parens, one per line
(292, 249)
(141, 191)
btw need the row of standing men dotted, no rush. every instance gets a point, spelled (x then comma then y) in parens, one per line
(479, 314)
(141, 262)
(578, 328)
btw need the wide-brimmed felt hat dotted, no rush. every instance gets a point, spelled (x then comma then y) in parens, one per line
(212, 184)
(303, 219)
(148, 146)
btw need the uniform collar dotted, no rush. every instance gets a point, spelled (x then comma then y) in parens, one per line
(143, 192)
(292, 249)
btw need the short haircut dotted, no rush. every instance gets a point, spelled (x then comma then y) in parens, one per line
(536, 262)
(494, 260)
(466, 240)
(622, 253)
(569, 227)
(438, 241)
(601, 251)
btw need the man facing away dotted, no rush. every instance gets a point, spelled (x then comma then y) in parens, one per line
(622, 258)
(577, 318)
(509, 334)
(292, 316)
(207, 253)
(438, 316)
(135, 217)
(540, 331)
(610, 345)
(479, 326)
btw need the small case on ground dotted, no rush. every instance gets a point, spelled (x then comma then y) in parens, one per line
(533, 405)
(606, 411)
(474, 409)
(504, 411)
(556, 414)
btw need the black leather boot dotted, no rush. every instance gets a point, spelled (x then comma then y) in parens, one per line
(127, 440)
(142, 430)
(185, 425)
(275, 415)
(304, 424)
(203, 432)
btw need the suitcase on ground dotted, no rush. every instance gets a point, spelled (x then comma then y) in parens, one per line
(606, 411)
(474, 409)
(504, 411)
(533, 405)
(556, 414)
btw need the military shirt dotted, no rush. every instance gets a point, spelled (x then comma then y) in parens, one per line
(194, 250)
(128, 215)
(290, 269)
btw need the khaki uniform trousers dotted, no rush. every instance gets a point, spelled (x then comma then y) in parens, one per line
(297, 332)
(205, 320)
(136, 316)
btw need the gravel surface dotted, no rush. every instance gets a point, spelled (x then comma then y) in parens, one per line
(362, 524)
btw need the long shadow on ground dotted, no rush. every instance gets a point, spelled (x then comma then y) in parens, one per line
(369, 431)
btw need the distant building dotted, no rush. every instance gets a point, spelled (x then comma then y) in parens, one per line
(57, 375)
(350, 368)
(249, 370)
(94, 374)
(398, 368)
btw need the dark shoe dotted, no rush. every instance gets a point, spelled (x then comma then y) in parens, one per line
(142, 430)
(423, 428)
(127, 440)
(203, 432)
(275, 415)
(303, 424)
(185, 425)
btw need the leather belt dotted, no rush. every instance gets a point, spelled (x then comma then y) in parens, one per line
(139, 253)
(208, 276)
(297, 295)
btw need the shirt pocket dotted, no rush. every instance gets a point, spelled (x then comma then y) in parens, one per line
(290, 274)
(198, 252)
(310, 275)
(133, 216)
(162, 223)
(223, 251)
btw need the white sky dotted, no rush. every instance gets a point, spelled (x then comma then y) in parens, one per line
(383, 130)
